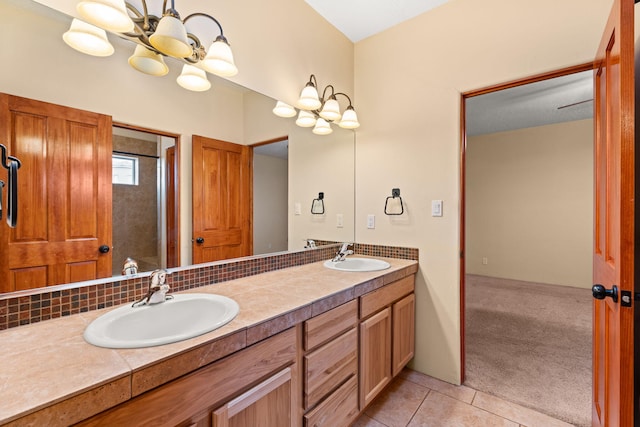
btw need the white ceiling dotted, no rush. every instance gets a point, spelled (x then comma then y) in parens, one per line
(359, 19)
(535, 104)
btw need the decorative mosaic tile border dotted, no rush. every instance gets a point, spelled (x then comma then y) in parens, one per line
(57, 301)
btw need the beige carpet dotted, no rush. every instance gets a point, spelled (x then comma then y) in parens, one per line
(531, 344)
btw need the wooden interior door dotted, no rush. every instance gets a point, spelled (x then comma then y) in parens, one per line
(64, 195)
(222, 200)
(613, 261)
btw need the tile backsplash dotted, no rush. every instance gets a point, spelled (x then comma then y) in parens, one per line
(23, 308)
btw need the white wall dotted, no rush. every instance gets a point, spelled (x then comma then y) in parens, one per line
(409, 81)
(529, 204)
(321, 164)
(270, 186)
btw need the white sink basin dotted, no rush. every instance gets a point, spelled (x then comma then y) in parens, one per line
(185, 316)
(358, 264)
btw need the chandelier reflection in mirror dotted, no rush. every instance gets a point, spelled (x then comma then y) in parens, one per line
(156, 37)
(319, 112)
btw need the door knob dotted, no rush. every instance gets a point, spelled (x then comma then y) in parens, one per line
(200, 240)
(600, 292)
(104, 249)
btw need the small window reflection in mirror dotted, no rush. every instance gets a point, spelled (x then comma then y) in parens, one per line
(125, 170)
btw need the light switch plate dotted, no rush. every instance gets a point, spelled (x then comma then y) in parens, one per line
(436, 208)
(339, 220)
(371, 221)
(297, 208)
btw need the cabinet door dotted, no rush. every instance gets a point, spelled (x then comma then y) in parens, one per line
(266, 405)
(403, 317)
(375, 355)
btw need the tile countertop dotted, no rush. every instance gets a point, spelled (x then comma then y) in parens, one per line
(50, 376)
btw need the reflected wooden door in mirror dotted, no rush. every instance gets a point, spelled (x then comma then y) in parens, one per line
(65, 188)
(222, 184)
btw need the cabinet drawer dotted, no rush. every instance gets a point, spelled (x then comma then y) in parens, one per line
(339, 409)
(328, 366)
(374, 301)
(330, 324)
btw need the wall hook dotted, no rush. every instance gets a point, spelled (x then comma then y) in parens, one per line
(395, 193)
(317, 206)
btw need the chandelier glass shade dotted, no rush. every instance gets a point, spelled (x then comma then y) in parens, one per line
(170, 37)
(284, 110)
(110, 15)
(319, 111)
(148, 62)
(156, 38)
(88, 39)
(193, 78)
(322, 127)
(306, 119)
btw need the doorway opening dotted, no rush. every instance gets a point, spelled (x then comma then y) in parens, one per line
(145, 198)
(526, 239)
(270, 196)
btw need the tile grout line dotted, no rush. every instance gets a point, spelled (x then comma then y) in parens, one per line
(419, 406)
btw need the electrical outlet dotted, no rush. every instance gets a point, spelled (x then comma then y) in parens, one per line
(485, 260)
(297, 208)
(371, 221)
(339, 220)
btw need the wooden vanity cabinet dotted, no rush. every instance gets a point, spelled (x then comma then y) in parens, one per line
(259, 382)
(320, 373)
(387, 332)
(331, 367)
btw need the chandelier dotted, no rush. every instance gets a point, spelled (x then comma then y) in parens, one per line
(319, 112)
(155, 38)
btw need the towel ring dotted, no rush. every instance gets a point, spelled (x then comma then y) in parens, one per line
(394, 193)
(317, 205)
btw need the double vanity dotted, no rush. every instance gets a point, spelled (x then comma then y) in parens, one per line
(310, 346)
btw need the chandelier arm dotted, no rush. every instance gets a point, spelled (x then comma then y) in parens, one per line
(143, 23)
(324, 92)
(313, 81)
(206, 16)
(345, 95)
(198, 50)
(145, 10)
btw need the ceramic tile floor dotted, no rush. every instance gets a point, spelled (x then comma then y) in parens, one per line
(414, 399)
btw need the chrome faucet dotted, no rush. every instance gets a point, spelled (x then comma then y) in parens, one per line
(311, 244)
(158, 289)
(341, 255)
(130, 267)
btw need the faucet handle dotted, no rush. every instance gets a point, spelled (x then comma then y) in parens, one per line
(158, 278)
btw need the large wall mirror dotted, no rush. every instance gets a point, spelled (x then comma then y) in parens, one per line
(148, 112)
